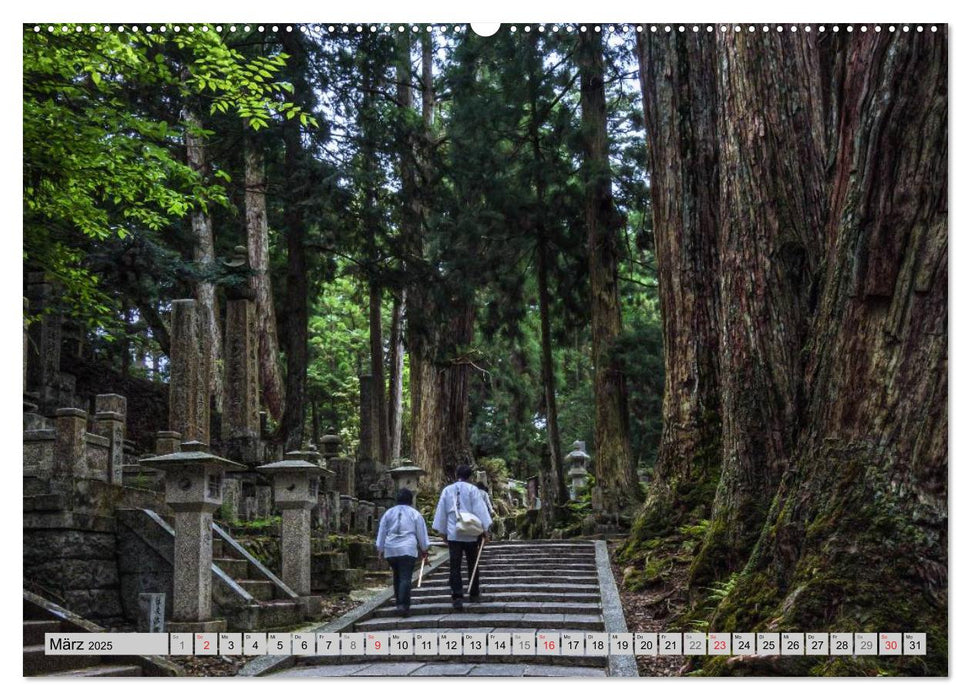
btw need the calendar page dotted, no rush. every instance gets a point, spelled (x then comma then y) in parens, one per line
(446, 349)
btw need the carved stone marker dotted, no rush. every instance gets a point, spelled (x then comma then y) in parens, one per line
(188, 380)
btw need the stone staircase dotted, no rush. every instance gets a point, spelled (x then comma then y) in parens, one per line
(546, 586)
(270, 605)
(245, 593)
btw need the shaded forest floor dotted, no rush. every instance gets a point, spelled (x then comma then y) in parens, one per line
(654, 609)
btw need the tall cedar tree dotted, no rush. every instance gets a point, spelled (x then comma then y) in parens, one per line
(297, 305)
(258, 248)
(613, 466)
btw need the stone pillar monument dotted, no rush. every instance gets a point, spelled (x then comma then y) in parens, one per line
(193, 489)
(241, 397)
(109, 422)
(188, 385)
(368, 449)
(70, 459)
(296, 482)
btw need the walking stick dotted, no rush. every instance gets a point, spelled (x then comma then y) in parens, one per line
(476, 567)
(421, 572)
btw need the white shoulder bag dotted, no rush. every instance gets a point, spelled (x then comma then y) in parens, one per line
(466, 524)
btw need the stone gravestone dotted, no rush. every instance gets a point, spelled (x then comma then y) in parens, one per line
(241, 400)
(151, 612)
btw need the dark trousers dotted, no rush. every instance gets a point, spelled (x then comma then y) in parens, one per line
(455, 552)
(403, 567)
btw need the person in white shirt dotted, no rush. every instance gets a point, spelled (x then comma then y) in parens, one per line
(465, 497)
(402, 537)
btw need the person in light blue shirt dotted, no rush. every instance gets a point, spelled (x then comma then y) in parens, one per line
(402, 538)
(463, 496)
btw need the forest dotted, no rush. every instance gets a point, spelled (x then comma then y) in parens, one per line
(715, 255)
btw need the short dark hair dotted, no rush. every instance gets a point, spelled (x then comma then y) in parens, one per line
(405, 497)
(464, 472)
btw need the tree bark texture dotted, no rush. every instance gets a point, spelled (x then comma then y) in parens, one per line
(678, 78)
(772, 208)
(613, 465)
(831, 325)
(204, 253)
(440, 438)
(258, 246)
(859, 530)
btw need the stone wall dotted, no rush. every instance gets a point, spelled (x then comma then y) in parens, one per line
(73, 556)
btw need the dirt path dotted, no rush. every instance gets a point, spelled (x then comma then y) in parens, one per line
(651, 610)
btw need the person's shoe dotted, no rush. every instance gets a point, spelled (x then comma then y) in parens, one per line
(405, 612)
(402, 610)
(457, 604)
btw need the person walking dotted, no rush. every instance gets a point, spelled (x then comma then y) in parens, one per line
(463, 497)
(402, 538)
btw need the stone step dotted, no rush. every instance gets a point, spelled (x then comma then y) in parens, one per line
(503, 579)
(269, 615)
(102, 671)
(36, 663)
(539, 596)
(506, 586)
(464, 666)
(539, 567)
(218, 547)
(34, 630)
(467, 618)
(445, 607)
(234, 568)
(259, 589)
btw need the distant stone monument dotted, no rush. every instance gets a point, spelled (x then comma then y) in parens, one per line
(577, 462)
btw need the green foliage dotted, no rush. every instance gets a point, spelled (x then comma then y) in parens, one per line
(102, 141)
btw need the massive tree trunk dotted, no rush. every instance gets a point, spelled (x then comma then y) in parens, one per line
(831, 325)
(772, 207)
(678, 76)
(440, 439)
(437, 329)
(859, 535)
(204, 253)
(258, 246)
(613, 466)
(297, 302)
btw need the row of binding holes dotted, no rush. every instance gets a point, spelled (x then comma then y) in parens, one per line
(387, 28)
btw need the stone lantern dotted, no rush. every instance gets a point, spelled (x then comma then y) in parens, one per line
(331, 446)
(406, 475)
(577, 462)
(296, 482)
(194, 490)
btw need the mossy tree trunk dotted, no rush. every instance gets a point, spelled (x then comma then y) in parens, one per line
(613, 463)
(772, 203)
(831, 323)
(858, 533)
(678, 85)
